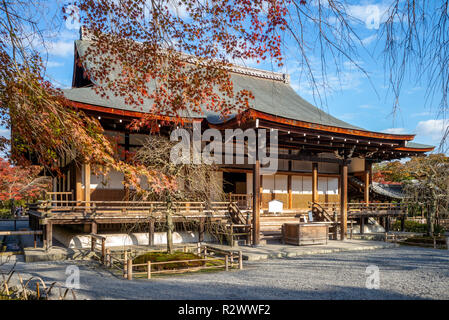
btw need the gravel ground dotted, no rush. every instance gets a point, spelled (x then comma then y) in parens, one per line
(405, 273)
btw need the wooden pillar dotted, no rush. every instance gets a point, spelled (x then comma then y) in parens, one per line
(127, 195)
(48, 235)
(315, 182)
(79, 196)
(290, 195)
(256, 203)
(367, 175)
(362, 225)
(344, 201)
(202, 227)
(151, 233)
(87, 183)
(94, 227)
(289, 182)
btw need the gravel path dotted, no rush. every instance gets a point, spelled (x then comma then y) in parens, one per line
(405, 273)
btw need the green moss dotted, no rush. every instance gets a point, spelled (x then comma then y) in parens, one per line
(175, 256)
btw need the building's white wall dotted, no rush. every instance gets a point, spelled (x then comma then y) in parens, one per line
(79, 241)
(280, 183)
(327, 185)
(300, 184)
(268, 183)
(297, 185)
(307, 185)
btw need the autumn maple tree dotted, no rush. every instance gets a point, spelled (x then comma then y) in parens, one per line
(176, 57)
(20, 183)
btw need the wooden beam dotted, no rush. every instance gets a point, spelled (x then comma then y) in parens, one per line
(290, 195)
(151, 233)
(315, 182)
(256, 203)
(354, 132)
(93, 227)
(48, 235)
(79, 196)
(344, 201)
(87, 183)
(367, 174)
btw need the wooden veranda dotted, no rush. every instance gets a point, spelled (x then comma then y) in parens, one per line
(43, 215)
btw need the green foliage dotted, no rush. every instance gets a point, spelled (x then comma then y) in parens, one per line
(5, 213)
(414, 226)
(175, 256)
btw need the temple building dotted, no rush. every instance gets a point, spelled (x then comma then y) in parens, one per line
(318, 156)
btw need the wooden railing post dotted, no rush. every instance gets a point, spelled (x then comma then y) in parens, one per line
(129, 269)
(108, 258)
(226, 263)
(125, 264)
(103, 250)
(92, 243)
(149, 270)
(205, 256)
(240, 260)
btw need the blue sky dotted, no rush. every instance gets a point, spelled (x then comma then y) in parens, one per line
(352, 97)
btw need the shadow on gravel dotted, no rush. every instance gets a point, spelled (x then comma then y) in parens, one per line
(198, 290)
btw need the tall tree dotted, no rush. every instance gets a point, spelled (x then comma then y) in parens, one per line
(20, 183)
(195, 182)
(178, 54)
(430, 186)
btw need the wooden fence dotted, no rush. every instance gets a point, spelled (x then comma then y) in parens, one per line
(230, 259)
(23, 233)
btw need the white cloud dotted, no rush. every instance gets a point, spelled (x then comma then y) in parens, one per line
(61, 48)
(54, 64)
(370, 14)
(5, 133)
(395, 130)
(421, 114)
(348, 116)
(366, 41)
(433, 129)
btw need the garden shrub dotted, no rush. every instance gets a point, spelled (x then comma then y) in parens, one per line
(414, 226)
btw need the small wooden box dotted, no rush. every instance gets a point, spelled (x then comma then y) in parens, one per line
(305, 233)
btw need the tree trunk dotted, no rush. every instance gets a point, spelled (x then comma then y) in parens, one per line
(170, 228)
(430, 219)
(13, 207)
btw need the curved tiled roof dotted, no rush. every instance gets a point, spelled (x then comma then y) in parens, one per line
(272, 95)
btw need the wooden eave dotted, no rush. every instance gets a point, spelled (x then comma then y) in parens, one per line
(128, 113)
(406, 149)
